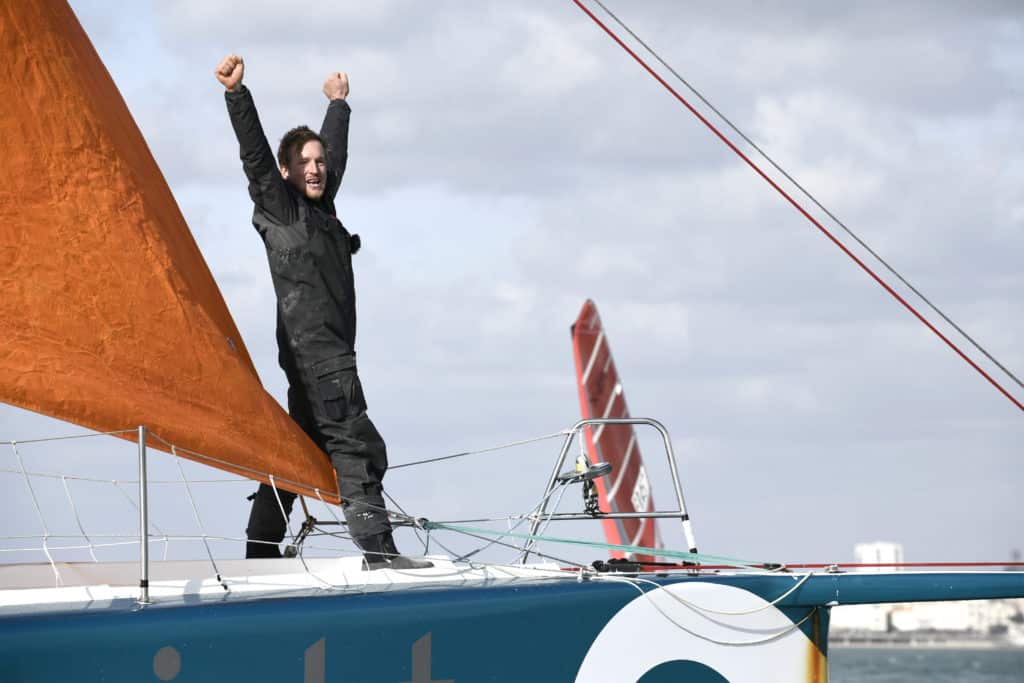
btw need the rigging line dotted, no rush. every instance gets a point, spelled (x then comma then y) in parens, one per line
(427, 526)
(523, 518)
(231, 467)
(743, 643)
(465, 556)
(809, 196)
(133, 540)
(798, 207)
(466, 532)
(78, 519)
(337, 520)
(511, 527)
(483, 450)
(152, 522)
(210, 458)
(199, 521)
(73, 477)
(426, 543)
(837, 567)
(664, 552)
(699, 608)
(70, 436)
(39, 511)
(95, 480)
(547, 523)
(133, 537)
(69, 547)
(288, 525)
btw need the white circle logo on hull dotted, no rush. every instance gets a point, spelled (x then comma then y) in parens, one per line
(672, 632)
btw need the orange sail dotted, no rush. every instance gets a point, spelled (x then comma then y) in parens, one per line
(627, 488)
(109, 317)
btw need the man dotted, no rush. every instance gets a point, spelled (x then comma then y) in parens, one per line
(310, 255)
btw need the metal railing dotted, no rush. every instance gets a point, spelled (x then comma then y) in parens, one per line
(540, 516)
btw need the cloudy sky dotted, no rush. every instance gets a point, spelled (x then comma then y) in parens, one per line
(508, 161)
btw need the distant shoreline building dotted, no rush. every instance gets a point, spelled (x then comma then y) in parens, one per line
(964, 624)
(881, 553)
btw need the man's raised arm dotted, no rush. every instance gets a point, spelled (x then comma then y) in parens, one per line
(334, 131)
(266, 187)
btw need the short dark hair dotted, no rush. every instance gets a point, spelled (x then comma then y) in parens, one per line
(293, 141)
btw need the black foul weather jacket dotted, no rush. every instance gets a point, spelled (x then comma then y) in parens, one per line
(308, 249)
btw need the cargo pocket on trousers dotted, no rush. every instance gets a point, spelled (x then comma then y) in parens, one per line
(340, 390)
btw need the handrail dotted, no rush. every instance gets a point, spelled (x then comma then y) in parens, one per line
(681, 514)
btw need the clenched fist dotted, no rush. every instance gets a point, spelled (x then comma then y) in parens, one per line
(336, 86)
(229, 72)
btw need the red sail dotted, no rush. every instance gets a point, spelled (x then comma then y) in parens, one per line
(109, 317)
(627, 488)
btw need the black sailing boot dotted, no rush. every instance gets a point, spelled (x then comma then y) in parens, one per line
(266, 525)
(379, 552)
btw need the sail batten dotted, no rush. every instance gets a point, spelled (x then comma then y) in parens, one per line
(110, 317)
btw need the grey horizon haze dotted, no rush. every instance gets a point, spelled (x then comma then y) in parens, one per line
(508, 161)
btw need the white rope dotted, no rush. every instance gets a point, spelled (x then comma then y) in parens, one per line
(547, 523)
(294, 543)
(695, 634)
(199, 521)
(78, 520)
(39, 511)
(755, 610)
(280, 506)
(330, 509)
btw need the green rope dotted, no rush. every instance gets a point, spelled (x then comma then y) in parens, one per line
(698, 558)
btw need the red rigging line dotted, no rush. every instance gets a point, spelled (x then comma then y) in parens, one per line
(1018, 566)
(797, 206)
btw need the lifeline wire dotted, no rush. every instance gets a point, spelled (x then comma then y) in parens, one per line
(95, 480)
(810, 196)
(204, 537)
(66, 437)
(800, 208)
(482, 450)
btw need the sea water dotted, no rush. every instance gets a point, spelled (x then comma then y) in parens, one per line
(888, 665)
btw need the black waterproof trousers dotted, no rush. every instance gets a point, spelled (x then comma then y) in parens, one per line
(334, 416)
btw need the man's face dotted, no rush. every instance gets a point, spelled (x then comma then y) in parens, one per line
(307, 170)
